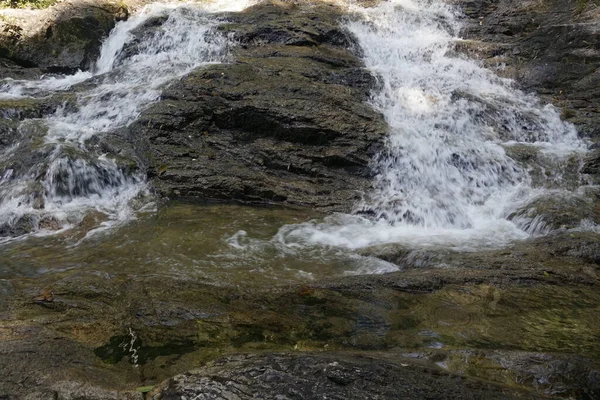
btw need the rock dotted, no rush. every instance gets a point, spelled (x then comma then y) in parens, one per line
(71, 390)
(20, 227)
(551, 172)
(46, 297)
(318, 376)
(19, 109)
(554, 375)
(10, 69)
(569, 255)
(120, 330)
(549, 47)
(63, 38)
(286, 122)
(592, 164)
(555, 211)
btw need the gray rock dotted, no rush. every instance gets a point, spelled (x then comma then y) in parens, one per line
(549, 47)
(60, 39)
(323, 376)
(286, 122)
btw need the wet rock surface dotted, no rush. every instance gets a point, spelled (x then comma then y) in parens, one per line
(550, 47)
(572, 256)
(285, 122)
(120, 331)
(317, 376)
(62, 39)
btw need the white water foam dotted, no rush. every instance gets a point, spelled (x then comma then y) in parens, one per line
(445, 178)
(11, 89)
(245, 247)
(63, 180)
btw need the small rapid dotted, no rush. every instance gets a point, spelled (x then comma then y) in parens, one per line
(52, 176)
(446, 177)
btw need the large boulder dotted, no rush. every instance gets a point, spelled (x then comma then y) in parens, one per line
(63, 38)
(322, 376)
(286, 122)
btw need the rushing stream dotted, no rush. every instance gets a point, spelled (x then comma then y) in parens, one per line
(126, 78)
(446, 177)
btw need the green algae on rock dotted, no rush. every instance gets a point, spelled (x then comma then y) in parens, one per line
(134, 326)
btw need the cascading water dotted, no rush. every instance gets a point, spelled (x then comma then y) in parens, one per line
(445, 177)
(50, 178)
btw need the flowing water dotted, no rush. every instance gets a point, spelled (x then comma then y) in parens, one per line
(63, 179)
(190, 241)
(445, 179)
(160, 290)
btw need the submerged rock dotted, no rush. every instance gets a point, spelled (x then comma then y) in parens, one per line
(119, 330)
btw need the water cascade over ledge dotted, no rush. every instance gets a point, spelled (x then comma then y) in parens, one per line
(51, 179)
(445, 177)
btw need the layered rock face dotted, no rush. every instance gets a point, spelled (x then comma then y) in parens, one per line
(285, 122)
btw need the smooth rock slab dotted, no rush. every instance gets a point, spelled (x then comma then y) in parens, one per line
(322, 376)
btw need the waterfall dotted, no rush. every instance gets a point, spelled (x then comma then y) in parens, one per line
(49, 177)
(445, 177)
